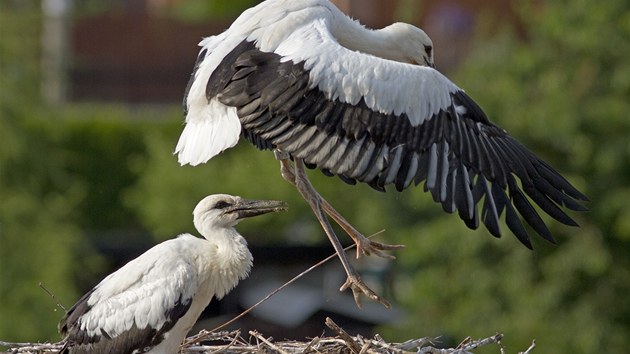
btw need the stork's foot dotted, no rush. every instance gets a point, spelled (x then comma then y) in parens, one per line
(364, 244)
(369, 247)
(358, 287)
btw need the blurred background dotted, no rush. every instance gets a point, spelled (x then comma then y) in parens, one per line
(90, 111)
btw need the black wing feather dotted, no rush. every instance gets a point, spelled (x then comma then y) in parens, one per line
(462, 157)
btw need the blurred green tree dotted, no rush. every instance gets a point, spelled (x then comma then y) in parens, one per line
(202, 10)
(564, 91)
(62, 170)
(37, 196)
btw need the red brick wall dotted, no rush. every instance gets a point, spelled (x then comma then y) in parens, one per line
(131, 56)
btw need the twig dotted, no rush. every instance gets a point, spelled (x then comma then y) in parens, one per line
(381, 343)
(41, 285)
(530, 349)
(268, 343)
(231, 344)
(206, 335)
(411, 345)
(350, 343)
(464, 342)
(481, 342)
(31, 347)
(322, 345)
(365, 347)
(465, 346)
(209, 335)
(311, 344)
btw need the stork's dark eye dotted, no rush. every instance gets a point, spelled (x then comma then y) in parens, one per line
(428, 49)
(221, 204)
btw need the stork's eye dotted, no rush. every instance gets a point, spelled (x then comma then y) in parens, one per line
(221, 204)
(428, 49)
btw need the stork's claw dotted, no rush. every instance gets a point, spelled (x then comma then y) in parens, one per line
(364, 244)
(369, 247)
(358, 287)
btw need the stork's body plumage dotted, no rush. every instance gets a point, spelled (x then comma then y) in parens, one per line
(150, 304)
(301, 78)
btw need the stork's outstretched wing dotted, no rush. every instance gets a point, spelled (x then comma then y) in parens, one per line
(383, 122)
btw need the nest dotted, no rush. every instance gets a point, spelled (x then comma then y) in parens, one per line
(232, 342)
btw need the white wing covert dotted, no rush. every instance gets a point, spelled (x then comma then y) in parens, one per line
(134, 306)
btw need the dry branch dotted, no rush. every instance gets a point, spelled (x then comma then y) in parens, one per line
(226, 342)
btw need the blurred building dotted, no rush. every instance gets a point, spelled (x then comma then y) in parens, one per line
(136, 51)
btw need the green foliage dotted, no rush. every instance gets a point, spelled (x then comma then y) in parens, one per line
(62, 170)
(36, 246)
(62, 178)
(100, 151)
(187, 11)
(202, 10)
(35, 197)
(564, 92)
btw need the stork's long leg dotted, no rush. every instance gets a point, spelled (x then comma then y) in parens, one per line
(299, 178)
(364, 244)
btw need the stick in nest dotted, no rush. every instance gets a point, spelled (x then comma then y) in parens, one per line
(350, 343)
(324, 345)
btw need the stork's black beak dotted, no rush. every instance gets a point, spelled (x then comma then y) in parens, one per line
(248, 208)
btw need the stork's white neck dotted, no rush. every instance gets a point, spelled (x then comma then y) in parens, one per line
(232, 261)
(354, 36)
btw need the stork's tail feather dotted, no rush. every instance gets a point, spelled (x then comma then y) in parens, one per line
(209, 135)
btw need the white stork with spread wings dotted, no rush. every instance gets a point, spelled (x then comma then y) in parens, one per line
(301, 78)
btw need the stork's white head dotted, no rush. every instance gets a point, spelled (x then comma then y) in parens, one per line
(225, 211)
(411, 44)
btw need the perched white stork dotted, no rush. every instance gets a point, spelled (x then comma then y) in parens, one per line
(301, 78)
(150, 304)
